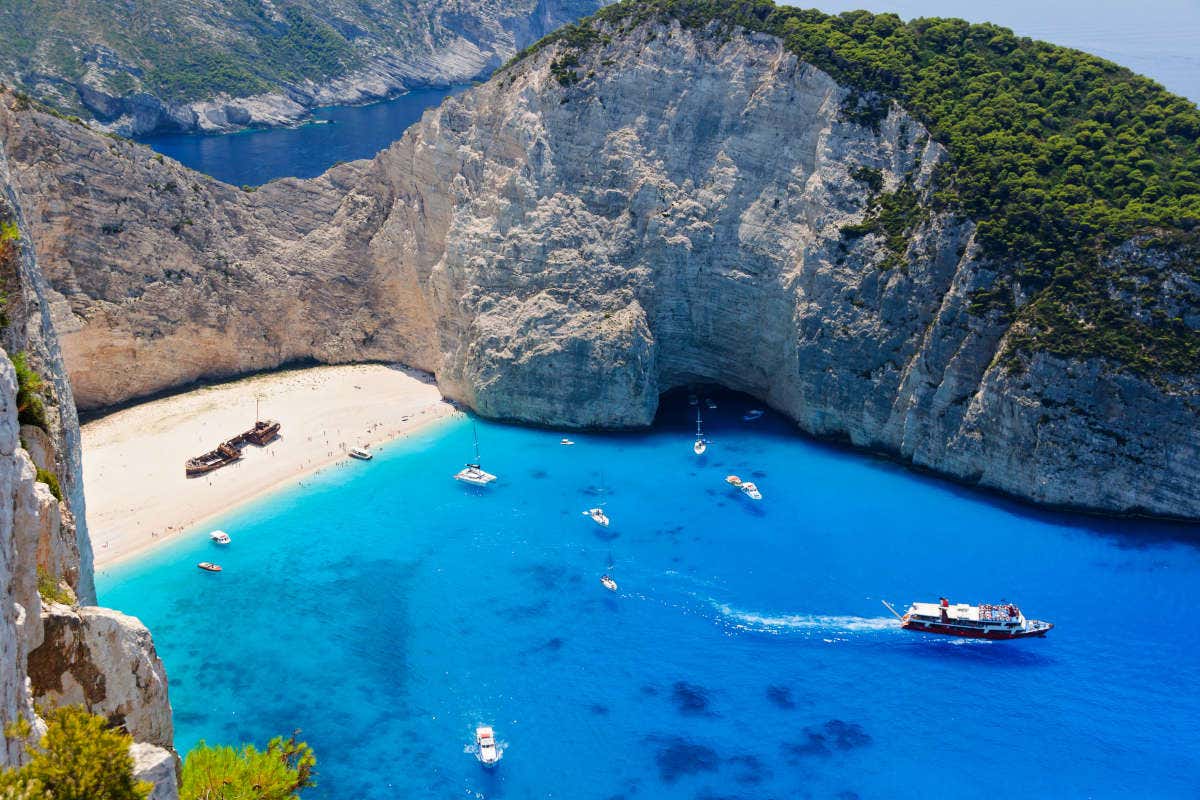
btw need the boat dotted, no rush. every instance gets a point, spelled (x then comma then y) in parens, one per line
(565, 442)
(693, 400)
(208, 566)
(701, 445)
(473, 473)
(263, 433)
(361, 453)
(745, 487)
(752, 415)
(220, 537)
(710, 404)
(984, 621)
(608, 582)
(598, 516)
(225, 453)
(485, 738)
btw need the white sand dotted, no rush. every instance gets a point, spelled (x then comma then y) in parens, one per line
(136, 491)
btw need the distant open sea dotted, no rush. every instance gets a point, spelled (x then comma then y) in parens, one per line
(386, 610)
(1160, 39)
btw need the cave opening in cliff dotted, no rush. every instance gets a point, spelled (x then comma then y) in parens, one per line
(719, 409)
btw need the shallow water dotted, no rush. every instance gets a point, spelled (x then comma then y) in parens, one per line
(387, 610)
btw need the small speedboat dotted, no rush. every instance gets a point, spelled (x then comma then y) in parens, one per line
(745, 487)
(485, 739)
(609, 583)
(361, 453)
(220, 537)
(597, 516)
(984, 621)
(752, 415)
(565, 442)
(710, 404)
(208, 566)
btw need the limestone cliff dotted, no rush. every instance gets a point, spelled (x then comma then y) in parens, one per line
(593, 227)
(208, 65)
(52, 653)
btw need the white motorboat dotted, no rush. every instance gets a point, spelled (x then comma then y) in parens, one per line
(361, 453)
(597, 516)
(473, 473)
(609, 583)
(220, 537)
(745, 487)
(752, 415)
(701, 443)
(565, 442)
(485, 739)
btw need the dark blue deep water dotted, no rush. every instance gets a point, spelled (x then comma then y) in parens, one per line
(342, 133)
(387, 610)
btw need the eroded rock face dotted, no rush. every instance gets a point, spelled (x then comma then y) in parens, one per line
(93, 656)
(158, 766)
(105, 661)
(560, 247)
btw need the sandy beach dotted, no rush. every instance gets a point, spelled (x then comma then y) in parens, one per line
(137, 494)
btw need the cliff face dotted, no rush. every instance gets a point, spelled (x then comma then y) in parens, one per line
(138, 67)
(52, 653)
(591, 228)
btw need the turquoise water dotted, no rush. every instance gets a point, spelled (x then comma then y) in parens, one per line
(387, 610)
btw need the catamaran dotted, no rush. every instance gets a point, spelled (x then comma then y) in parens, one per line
(984, 621)
(473, 473)
(701, 445)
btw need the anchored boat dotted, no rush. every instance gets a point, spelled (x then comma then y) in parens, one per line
(608, 582)
(473, 473)
(208, 566)
(701, 443)
(220, 537)
(361, 453)
(984, 621)
(747, 488)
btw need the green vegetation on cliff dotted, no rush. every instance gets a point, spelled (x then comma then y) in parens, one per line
(1058, 155)
(79, 758)
(222, 773)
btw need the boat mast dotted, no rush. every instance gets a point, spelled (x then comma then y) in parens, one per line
(475, 432)
(698, 422)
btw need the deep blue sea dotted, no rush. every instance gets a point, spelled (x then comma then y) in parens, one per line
(333, 135)
(386, 610)
(1159, 38)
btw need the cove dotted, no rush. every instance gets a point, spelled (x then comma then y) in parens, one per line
(334, 134)
(387, 610)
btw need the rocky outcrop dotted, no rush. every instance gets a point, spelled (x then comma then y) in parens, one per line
(50, 652)
(104, 661)
(384, 49)
(158, 766)
(589, 229)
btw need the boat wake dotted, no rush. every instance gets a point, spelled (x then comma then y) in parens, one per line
(813, 623)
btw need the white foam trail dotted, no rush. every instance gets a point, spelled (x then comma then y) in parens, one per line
(780, 623)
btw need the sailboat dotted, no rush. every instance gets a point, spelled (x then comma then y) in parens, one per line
(473, 473)
(701, 445)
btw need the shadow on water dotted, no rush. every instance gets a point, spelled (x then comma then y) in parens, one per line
(1130, 532)
(977, 652)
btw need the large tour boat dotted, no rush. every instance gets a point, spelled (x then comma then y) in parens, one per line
(984, 621)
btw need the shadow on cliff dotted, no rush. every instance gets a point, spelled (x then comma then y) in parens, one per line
(677, 413)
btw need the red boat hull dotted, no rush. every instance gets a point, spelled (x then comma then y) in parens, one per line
(972, 633)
